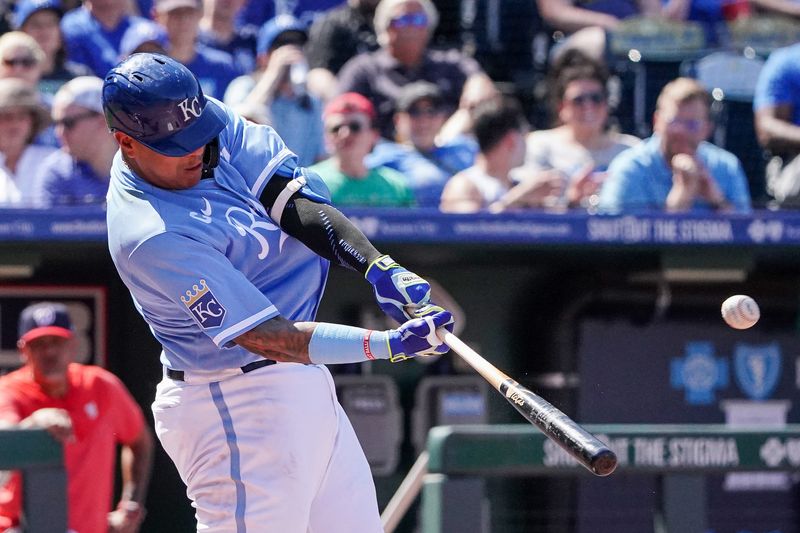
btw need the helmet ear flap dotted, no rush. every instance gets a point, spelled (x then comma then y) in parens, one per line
(210, 157)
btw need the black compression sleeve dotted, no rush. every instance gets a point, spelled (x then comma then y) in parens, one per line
(322, 228)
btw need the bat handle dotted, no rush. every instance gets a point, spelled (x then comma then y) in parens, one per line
(489, 372)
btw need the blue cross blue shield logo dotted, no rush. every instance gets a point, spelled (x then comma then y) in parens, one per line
(699, 373)
(757, 368)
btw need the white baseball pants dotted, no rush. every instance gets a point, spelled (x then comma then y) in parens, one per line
(267, 451)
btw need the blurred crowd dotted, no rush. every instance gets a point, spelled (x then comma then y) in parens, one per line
(460, 105)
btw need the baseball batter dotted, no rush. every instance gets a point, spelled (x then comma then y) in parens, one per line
(225, 245)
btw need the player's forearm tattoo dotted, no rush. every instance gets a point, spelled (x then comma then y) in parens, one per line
(279, 339)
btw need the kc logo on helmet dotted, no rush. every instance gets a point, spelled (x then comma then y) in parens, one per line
(190, 106)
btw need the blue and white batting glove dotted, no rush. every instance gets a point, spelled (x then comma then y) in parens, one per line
(399, 292)
(418, 337)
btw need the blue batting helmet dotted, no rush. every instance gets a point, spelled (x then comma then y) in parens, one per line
(159, 102)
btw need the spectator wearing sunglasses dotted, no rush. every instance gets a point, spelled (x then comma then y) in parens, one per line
(22, 58)
(22, 117)
(676, 169)
(78, 173)
(277, 89)
(41, 20)
(425, 165)
(404, 29)
(351, 135)
(573, 157)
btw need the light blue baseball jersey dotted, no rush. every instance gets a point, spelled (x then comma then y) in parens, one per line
(207, 264)
(639, 179)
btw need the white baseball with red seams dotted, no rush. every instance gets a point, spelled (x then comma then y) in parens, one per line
(740, 311)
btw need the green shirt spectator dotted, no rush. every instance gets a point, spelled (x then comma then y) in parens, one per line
(350, 135)
(381, 187)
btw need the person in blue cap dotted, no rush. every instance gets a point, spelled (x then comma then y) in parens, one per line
(278, 88)
(41, 20)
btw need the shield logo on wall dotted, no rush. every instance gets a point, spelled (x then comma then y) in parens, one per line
(757, 368)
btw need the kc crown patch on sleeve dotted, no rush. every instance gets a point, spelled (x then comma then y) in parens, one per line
(204, 306)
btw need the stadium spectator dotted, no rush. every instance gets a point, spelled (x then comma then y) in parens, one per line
(78, 173)
(279, 89)
(404, 29)
(258, 12)
(350, 132)
(477, 89)
(214, 69)
(586, 23)
(576, 153)
(342, 33)
(41, 20)
(788, 8)
(777, 121)
(93, 32)
(500, 128)
(89, 411)
(425, 165)
(150, 37)
(21, 57)
(218, 30)
(22, 117)
(676, 169)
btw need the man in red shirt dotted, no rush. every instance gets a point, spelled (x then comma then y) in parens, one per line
(88, 410)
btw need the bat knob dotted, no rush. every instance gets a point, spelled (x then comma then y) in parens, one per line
(604, 462)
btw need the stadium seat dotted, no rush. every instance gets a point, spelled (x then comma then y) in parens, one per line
(731, 79)
(646, 54)
(372, 404)
(763, 34)
(448, 400)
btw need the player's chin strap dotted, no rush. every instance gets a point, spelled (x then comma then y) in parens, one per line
(276, 212)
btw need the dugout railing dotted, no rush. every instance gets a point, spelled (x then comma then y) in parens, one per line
(41, 460)
(462, 457)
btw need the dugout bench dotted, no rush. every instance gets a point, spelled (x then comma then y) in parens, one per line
(44, 479)
(461, 457)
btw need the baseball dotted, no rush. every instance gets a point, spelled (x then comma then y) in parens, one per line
(740, 311)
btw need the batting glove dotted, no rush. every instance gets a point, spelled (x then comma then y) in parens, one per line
(418, 337)
(399, 292)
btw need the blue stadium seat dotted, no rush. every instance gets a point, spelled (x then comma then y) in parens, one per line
(646, 54)
(731, 79)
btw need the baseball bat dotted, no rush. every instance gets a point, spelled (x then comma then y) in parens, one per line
(558, 427)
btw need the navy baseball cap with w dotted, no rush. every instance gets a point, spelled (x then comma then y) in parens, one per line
(43, 319)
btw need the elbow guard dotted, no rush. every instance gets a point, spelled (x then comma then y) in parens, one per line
(305, 183)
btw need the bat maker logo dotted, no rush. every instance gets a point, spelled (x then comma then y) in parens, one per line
(204, 306)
